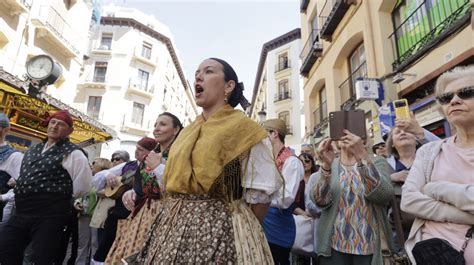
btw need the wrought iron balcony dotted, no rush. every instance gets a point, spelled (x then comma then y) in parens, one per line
(331, 15)
(312, 49)
(53, 27)
(94, 114)
(430, 23)
(303, 5)
(142, 88)
(346, 88)
(321, 125)
(282, 66)
(145, 57)
(282, 96)
(98, 79)
(319, 114)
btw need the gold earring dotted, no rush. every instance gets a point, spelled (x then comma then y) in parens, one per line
(225, 97)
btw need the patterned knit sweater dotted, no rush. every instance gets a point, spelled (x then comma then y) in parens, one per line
(380, 197)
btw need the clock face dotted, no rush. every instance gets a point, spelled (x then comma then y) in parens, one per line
(40, 67)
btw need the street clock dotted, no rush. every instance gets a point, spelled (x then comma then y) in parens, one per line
(43, 69)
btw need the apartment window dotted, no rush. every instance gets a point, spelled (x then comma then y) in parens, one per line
(283, 90)
(358, 65)
(323, 103)
(143, 79)
(100, 70)
(283, 61)
(137, 113)
(358, 69)
(93, 106)
(417, 24)
(146, 50)
(106, 41)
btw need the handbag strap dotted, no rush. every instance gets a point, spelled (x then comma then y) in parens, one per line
(467, 238)
(397, 219)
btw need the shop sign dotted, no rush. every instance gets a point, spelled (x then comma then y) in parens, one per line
(428, 114)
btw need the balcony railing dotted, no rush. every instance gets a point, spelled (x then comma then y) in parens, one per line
(431, 22)
(312, 49)
(346, 88)
(98, 79)
(331, 15)
(145, 57)
(141, 86)
(317, 118)
(282, 96)
(322, 124)
(282, 66)
(134, 124)
(52, 20)
(319, 114)
(303, 5)
(94, 114)
(104, 47)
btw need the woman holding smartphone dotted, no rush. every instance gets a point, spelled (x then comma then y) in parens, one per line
(353, 192)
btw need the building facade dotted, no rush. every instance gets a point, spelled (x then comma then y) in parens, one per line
(132, 74)
(277, 90)
(403, 44)
(60, 30)
(54, 27)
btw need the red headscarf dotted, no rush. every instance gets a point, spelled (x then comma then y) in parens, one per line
(62, 115)
(147, 143)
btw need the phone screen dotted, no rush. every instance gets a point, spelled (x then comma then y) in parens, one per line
(401, 109)
(352, 120)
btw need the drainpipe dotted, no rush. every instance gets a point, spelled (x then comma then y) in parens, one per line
(370, 34)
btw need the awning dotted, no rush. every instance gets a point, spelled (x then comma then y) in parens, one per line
(26, 114)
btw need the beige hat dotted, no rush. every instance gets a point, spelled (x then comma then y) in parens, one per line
(277, 125)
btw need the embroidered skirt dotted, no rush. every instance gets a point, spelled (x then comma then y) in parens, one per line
(200, 229)
(132, 232)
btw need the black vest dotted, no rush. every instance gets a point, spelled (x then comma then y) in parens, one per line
(43, 185)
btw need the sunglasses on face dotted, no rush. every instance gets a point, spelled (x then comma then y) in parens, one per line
(463, 93)
(115, 159)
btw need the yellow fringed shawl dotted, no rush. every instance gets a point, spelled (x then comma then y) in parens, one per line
(203, 148)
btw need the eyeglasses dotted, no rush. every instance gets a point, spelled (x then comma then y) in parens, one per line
(463, 93)
(115, 159)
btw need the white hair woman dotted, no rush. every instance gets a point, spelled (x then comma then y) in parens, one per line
(439, 189)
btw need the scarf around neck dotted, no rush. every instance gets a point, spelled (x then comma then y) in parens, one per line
(205, 147)
(5, 152)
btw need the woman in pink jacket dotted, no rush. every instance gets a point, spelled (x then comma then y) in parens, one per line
(439, 190)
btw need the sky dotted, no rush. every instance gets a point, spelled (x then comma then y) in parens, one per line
(233, 30)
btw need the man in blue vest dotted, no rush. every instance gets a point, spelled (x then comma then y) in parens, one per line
(279, 224)
(52, 172)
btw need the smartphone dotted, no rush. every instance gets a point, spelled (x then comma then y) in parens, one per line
(401, 109)
(351, 120)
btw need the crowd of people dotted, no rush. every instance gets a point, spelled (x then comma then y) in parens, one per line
(226, 189)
